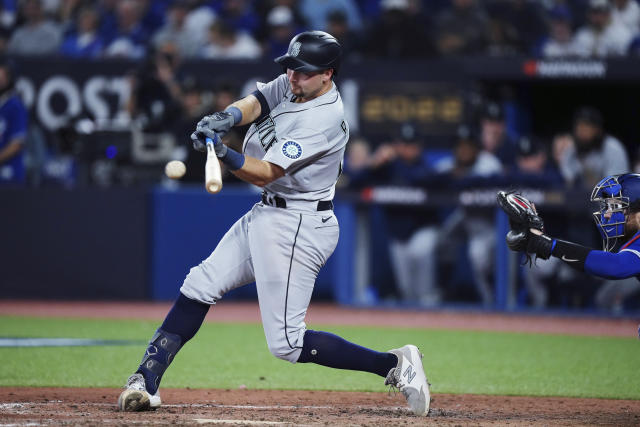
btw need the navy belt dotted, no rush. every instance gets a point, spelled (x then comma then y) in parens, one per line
(279, 202)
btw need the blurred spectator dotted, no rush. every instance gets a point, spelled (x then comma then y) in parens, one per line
(8, 14)
(13, 128)
(398, 34)
(612, 294)
(357, 162)
(316, 12)
(627, 13)
(636, 162)
(153, 14)
(131, 37)
(560, 42)
(535, 171)
(176, 31)
(226, 43)
(602, 36)
(583, 157)
(108, 19)
(516, 26)
(37, 35)
(462, 29)
(199, 19)
(634, 47)
(338, 27)
(84, 42)
(472, 166)
(195, 103)
(589, 153)
(240, 16)
(493, 135)
(281, 29)
(66, 14)
(225, 94)
(532, 167)
(5, 36)
(155, 101)
(413, 232)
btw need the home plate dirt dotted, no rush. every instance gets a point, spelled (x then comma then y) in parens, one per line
(75, 406)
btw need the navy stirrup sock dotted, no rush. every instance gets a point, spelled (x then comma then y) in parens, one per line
(330, 350)
(185, 318)
(180, 325)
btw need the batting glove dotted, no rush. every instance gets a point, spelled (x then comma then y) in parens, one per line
(219, 122)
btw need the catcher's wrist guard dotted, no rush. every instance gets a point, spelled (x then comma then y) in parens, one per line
(571, 253)
(540, 245)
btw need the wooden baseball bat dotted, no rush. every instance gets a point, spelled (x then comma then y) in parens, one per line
(212, 174)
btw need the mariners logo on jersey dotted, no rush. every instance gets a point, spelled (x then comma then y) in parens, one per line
(292, 149)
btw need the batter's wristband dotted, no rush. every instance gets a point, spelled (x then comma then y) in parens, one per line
(236, 113)
(573, 254)
(232, 159)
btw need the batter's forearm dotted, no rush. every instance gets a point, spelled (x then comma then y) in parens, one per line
(10, 150)
(258, 172)
(249, 107)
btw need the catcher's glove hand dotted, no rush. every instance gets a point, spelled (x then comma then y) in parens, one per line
(522, 218)
(521, 212)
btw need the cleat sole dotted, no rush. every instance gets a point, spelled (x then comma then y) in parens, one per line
(133, 401)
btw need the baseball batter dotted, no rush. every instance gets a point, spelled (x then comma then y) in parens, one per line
(293, 150)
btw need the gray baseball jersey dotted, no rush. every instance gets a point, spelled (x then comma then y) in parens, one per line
(282, 248)
(307, 140)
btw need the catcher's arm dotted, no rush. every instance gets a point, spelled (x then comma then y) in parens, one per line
(527, 235)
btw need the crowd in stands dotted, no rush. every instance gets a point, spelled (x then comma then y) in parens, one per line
(421, 239)
(250, 29)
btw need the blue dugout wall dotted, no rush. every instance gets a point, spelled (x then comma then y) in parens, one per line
(188, 223)
(141, 243)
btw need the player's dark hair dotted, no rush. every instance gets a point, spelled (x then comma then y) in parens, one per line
(634, 207)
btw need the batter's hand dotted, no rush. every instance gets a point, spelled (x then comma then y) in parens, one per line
(219, 123)
(199, 138)
(198, 142)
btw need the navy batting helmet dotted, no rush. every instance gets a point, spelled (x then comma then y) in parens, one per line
(312, 51)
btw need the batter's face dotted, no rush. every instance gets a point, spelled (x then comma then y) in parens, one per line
(309, 85)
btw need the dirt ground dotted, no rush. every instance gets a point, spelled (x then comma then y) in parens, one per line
(60, 406)
(73, 406)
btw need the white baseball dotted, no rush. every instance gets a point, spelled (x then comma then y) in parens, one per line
(175, 169)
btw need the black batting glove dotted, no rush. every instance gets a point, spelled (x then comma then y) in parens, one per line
(540, 245)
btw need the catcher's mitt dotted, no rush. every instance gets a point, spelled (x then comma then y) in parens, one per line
(522, 217)
(521, 212)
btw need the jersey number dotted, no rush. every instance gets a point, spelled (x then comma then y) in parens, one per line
(267, 132)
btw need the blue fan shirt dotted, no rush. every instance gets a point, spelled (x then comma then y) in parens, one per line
(13, 125)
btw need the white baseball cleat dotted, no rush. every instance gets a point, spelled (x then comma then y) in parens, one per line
(135, 397)
(409, 377)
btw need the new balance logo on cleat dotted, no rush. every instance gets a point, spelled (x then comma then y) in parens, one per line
(409, 373)
(409, 378)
